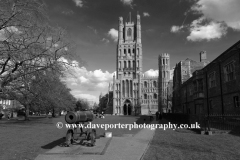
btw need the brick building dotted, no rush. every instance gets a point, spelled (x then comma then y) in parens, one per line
(212, 89)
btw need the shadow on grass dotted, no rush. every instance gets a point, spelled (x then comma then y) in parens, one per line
(54, 143)
(235, 131)
(33, 120)
(144, 119)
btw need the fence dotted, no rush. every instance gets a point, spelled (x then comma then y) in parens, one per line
(207, 122)
(222, 122)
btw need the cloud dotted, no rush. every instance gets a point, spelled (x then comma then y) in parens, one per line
(146, 14)
(5, 31)
(2, 35)
(87, 84)
(93, 29)
(89, 97)
(215, 18)
(211, 30)
(151, 73)
(226, 11)
(105, 40)
(68, 12)
(175, 29)
(79, 3)
(113, 33)
(127, 2)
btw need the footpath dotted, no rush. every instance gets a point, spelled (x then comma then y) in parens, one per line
(116, 148)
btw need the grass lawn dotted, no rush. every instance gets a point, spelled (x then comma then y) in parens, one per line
(186, 145)
(25, 140)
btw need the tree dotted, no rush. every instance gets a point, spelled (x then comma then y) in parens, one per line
(52, 94)
(28, 46)
(82, 104)
(106, 101)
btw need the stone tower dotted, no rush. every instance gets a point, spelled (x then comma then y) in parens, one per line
(126, 83)
(163, 79)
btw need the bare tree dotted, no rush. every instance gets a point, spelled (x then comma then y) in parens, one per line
(28, 45)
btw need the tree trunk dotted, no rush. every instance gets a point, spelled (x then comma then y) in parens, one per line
(27, 113)
(47, 112)
(53, 112)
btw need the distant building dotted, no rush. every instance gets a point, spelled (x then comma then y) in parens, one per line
(9, 104)
(208, 88)
(133, 92)
(182, 72)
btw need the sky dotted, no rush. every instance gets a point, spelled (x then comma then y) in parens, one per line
(181, 28)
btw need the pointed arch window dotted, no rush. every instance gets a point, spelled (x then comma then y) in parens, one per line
(129, 32)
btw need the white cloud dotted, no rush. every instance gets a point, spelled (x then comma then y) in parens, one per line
(151, 73)
(11, 29)
(93, 29)
(79, 3)
(87, 84)
(216, 17)
(220, 11)
(146, 14)
(105, 40)
(113, 33)
(127, 2)
(175, 29)
(68, 12)
(89, 97)
(2, 35)
(211, 30)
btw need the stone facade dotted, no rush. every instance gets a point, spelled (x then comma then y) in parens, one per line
(133, 92)
(214, 89)
(163, 79)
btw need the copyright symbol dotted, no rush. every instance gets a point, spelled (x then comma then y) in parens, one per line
(59, 125)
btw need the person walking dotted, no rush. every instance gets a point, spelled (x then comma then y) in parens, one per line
(157, 115)
(160, 115)
(9, 115)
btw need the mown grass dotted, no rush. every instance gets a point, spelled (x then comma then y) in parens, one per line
(25, 140)
(171, 145)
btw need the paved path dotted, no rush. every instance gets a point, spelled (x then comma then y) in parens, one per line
(119, 148)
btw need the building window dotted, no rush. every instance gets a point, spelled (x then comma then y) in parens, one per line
(145, 84)
(154, 84)
(198, 85)
(155, 96)
(190, 90)
(129, 51)
(229, 72)
(212, 80)
(145, 96)
(129, 32)
(210, 104)
(236, 101)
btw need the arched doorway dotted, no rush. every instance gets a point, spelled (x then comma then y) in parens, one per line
(127, 107)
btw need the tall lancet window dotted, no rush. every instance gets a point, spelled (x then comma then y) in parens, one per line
(129, 32)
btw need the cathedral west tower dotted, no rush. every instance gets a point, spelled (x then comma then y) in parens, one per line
(127, 92)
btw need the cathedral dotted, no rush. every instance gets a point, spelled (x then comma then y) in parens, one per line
(133, 92)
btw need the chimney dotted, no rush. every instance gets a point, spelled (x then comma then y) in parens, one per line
(203, 56)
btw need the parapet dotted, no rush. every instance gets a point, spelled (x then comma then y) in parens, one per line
(165, 55)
